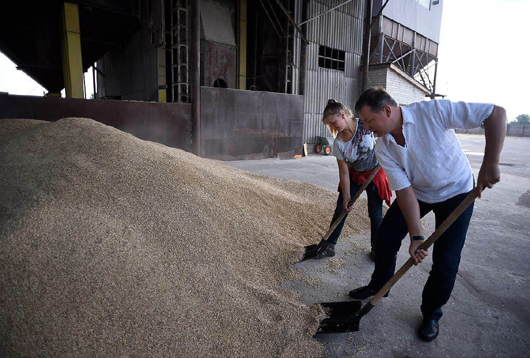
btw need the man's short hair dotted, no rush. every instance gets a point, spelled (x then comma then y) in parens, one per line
(375, 98)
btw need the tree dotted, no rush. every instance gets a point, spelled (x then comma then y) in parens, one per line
(523, 118)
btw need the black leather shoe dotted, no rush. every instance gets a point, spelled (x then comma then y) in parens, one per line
(363, 292)
(429, 330)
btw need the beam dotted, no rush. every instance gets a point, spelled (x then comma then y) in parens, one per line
(366, 45)
(195, 77)
(324, 13)
(242, 44)
(291, 20)
(71, 51)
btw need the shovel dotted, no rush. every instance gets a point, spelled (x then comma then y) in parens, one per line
(349, 322)
(311, 251)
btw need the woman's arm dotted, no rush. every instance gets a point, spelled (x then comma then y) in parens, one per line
(344, 176)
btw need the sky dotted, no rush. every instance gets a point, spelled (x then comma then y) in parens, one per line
(484, 53)
(14, 81)
(484, 56)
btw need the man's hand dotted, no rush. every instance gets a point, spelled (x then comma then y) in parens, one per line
(416, 253)
(488, 176)
(495, 131)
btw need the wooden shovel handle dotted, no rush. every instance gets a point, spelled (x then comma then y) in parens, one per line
(352, 201)
(428, 243)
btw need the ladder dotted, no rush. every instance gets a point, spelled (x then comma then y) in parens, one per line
(286, 53)
(179, 51)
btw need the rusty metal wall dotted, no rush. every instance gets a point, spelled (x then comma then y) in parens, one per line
(218, 61)
(130, 71)
(237, 124)
(340, 29)
(166, 123)
(218, 43)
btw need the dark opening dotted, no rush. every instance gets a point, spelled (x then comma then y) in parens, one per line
(220, 83)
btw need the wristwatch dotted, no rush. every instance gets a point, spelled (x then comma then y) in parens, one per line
(414, 238)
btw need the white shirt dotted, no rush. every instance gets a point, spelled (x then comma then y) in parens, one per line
(432, 161)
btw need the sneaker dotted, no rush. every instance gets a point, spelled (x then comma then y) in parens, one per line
(326, 251)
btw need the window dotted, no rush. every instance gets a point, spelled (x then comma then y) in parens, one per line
(331, 58)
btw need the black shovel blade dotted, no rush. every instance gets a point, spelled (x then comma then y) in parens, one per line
(311, 251)
(341, 324)
(310, 247)
(315, 246)
(341, 309)
(310, 254)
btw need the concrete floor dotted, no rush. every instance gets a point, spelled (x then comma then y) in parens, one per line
(488, 314)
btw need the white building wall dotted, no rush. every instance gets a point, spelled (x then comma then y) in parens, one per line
(377, 77)
(401, 87)
(402, 90)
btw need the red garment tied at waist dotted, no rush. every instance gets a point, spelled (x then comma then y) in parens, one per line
(380, 181)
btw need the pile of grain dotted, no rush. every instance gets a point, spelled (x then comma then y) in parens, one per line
(113, 246)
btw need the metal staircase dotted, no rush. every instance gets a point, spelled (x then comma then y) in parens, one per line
(178, 46)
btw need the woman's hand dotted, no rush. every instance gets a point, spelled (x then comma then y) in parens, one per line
(346, 201)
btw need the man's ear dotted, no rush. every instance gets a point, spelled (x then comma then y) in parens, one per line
(388, 110)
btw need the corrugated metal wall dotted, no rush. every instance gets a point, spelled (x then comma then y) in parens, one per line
(131, 70)
(340, 29)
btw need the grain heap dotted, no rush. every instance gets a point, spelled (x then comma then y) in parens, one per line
(113, 246)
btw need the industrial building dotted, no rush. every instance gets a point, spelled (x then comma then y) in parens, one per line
(226, 79)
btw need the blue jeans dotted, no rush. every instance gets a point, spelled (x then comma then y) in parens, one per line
(446, 252)
(375, 211)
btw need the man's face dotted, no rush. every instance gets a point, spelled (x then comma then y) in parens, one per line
(378, 122)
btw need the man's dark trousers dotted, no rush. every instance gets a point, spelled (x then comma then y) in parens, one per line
(446, 252)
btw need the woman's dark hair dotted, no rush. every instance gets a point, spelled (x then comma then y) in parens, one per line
(375, 98)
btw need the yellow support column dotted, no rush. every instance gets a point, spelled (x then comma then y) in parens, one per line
(161, 67)
(71, 51)
(242, 44)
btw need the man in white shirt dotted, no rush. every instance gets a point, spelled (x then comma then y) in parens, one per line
(428, 170)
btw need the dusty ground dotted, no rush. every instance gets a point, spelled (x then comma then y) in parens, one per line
(488, 314)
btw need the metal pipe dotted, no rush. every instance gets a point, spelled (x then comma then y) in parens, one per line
(366, 44)
(255, 67)
(195, 77)
(404, 55)
(324, 13)
(303, 51)
(433, 95)
(271, 20)
(379, 13)
(94, 79)
(381, 39)
(412, 71)
(291, 20)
